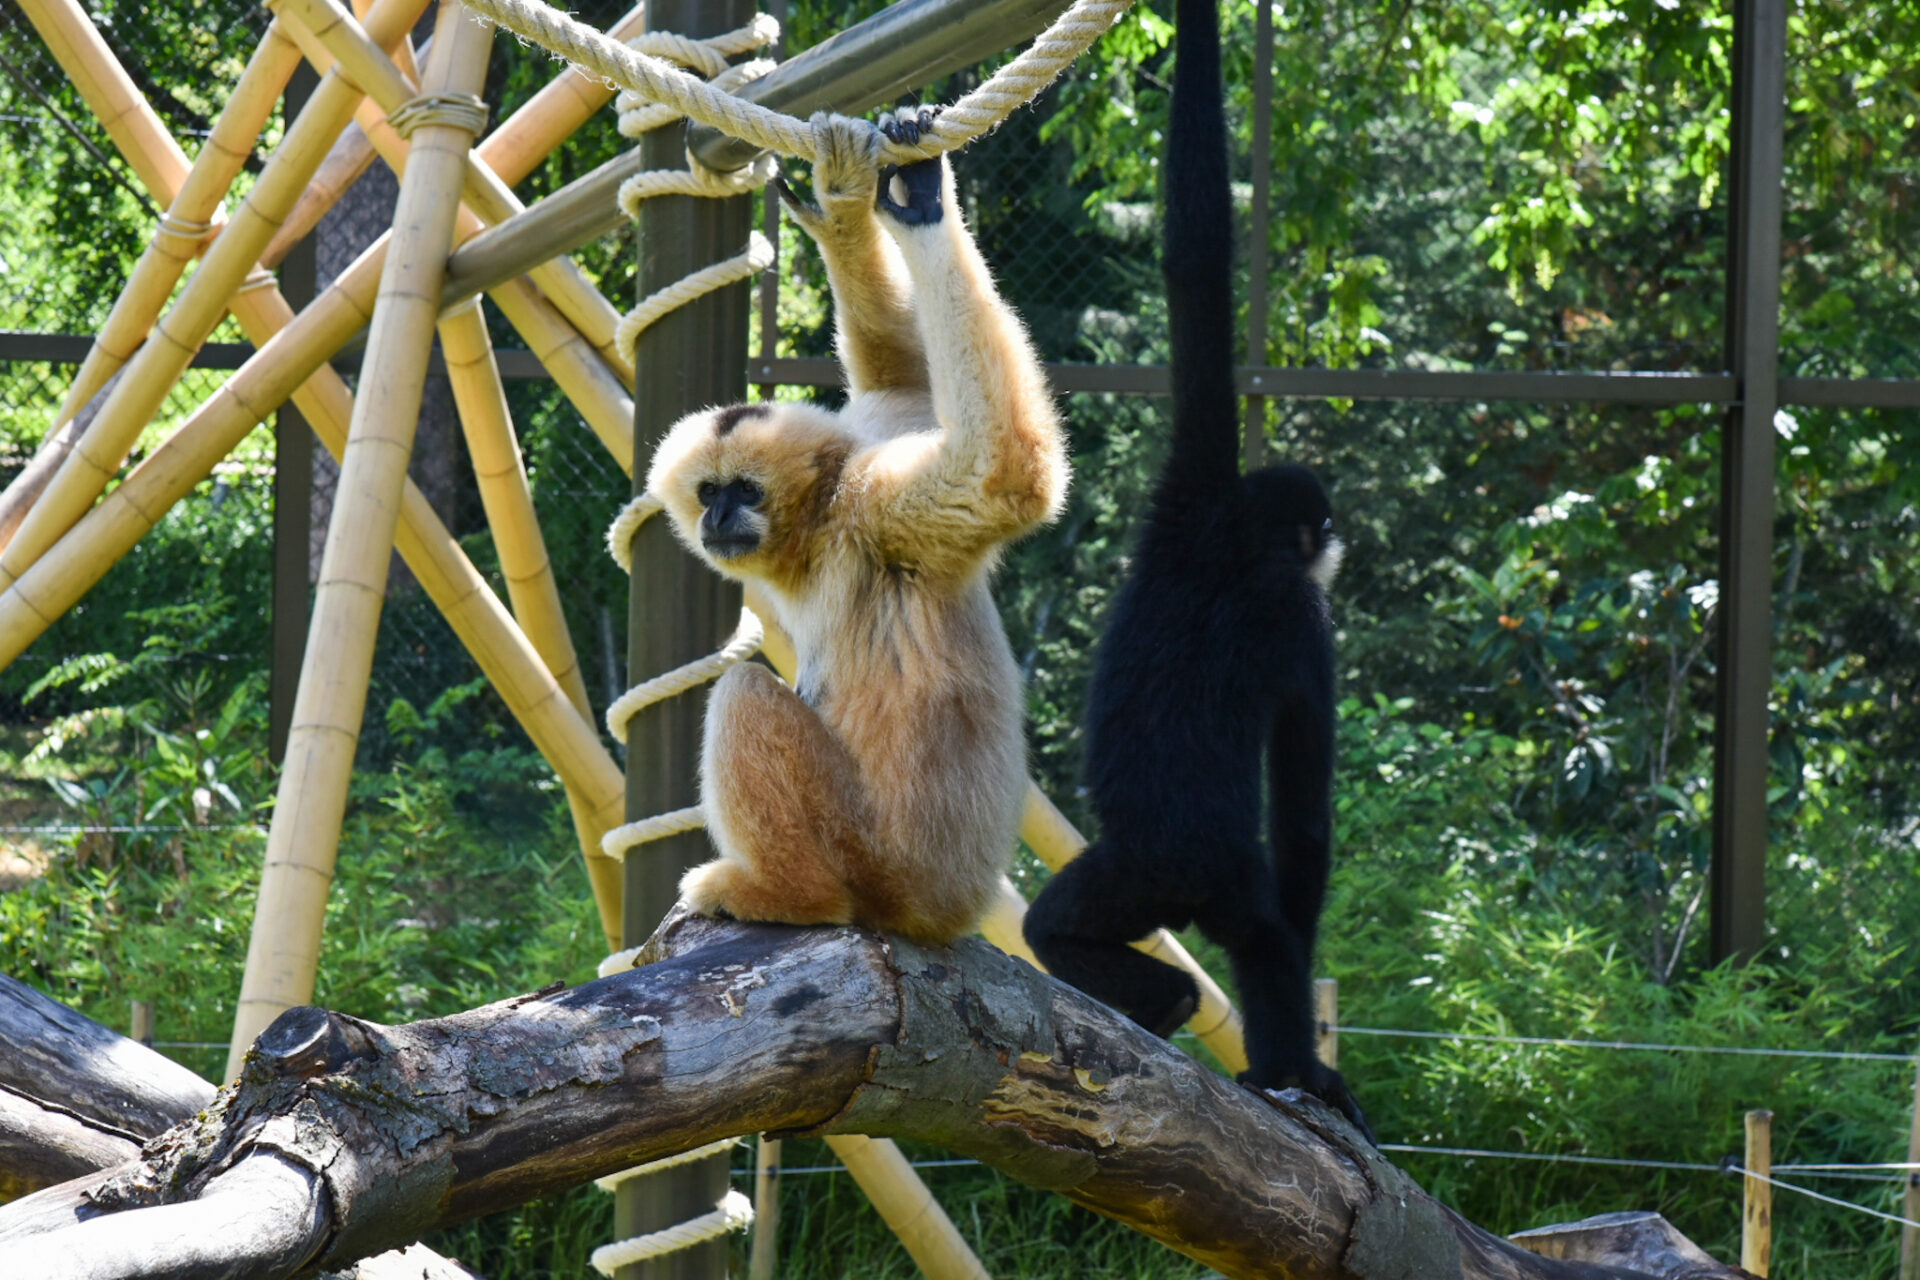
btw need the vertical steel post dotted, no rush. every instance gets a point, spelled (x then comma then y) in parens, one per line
(292, 492)
(679, 610)
(1256, 429)
(1745, 639)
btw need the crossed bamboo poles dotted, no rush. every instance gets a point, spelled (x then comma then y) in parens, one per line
(57, 537)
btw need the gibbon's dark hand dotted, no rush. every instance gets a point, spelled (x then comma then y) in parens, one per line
(918, 183)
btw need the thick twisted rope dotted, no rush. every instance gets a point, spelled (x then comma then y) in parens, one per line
(1011, 87)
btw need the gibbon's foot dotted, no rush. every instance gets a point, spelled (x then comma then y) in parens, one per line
(910, 193)
(1166, 1009)
(1330, 1087)
(1175, 1018)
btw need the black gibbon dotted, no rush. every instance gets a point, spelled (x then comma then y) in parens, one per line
(1218, 648)
(885, 788)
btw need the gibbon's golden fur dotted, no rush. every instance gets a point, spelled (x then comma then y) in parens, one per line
(886, 792)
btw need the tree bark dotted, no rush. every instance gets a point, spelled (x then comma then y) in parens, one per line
(370, 1136)
(74, 1096)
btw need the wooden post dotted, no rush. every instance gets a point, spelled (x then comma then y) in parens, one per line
(140, 1021)
(1910, 1236)
(1326, 1014)
(1756, 1219)
(284, 951)
(766, 1210)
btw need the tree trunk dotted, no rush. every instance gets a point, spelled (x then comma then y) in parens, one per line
(343, 1138)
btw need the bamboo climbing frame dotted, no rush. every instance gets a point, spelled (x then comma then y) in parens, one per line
(67, 535)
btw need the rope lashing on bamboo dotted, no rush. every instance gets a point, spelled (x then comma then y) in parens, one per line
(178, 237)
(454, 110)
(1010, 88)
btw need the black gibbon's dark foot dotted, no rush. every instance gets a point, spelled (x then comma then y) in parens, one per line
(1331, 1088)
(1176, 1017)
(919, 183)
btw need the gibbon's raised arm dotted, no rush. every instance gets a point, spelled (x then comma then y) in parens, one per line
(1198, 262)
(996, 465)
(874, 332)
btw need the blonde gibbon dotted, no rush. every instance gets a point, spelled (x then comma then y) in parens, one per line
(884, 789)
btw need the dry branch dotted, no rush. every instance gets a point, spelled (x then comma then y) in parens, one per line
(365, 1136)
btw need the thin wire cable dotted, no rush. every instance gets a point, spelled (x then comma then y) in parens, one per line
(1550, 1158)
(1734, 1167)
(1565, 1043)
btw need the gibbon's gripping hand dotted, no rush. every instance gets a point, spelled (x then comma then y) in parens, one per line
(919, 184)
(846, 165)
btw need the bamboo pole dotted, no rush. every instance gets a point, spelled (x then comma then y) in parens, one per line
(577, 367)
(1326, 1001)
(502, 479)
(322, 28)
(192, 215)
(568, 101)
(1756, 1219)
(1910, 1236)
(908, 1208)
(765, 1253)
(153, 371)
(284, 951)
(111, 95)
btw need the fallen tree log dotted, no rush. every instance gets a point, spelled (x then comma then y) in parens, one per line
(74, 1096)
(343, 1138)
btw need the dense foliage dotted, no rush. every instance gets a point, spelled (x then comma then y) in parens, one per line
(1526, 615)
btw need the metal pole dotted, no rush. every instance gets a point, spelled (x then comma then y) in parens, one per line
(679, 610)
(292, 490)
(1745, 640)
(1256, 433)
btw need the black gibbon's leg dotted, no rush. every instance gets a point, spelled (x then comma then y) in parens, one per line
(1080, 926)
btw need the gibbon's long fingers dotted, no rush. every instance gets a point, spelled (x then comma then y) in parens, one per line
(782, 794)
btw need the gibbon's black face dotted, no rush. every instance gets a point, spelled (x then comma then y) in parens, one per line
(731, 525)
(1292, 512)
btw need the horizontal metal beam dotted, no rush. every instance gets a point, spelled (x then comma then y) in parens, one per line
(516, 363)
(873, 63)
(71, 348)
(1151, 379)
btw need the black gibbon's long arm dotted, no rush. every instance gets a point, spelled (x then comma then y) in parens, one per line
(1198, 261)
